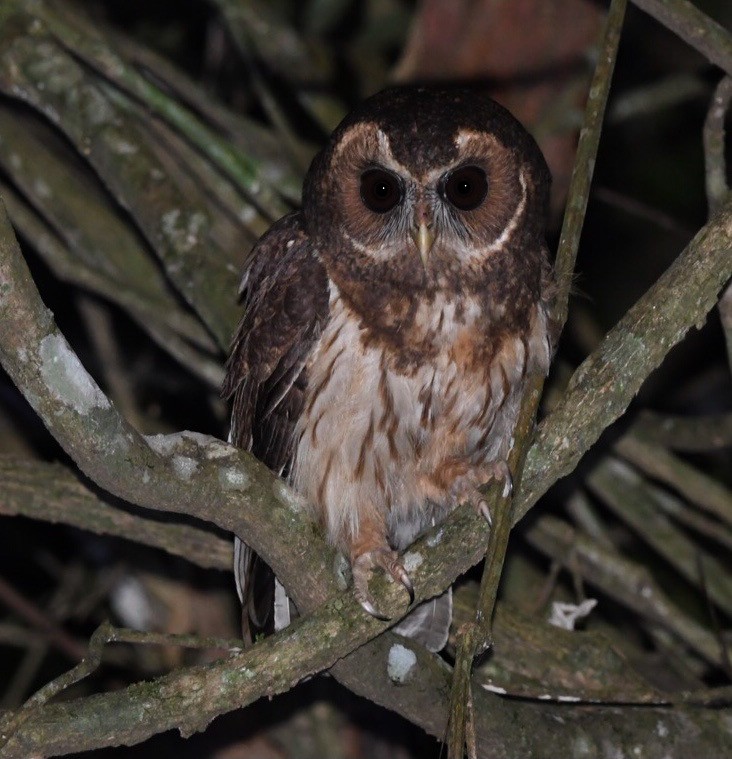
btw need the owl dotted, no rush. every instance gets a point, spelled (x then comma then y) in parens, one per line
(389, 329)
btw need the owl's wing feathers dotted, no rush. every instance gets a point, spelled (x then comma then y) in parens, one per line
(285, 297)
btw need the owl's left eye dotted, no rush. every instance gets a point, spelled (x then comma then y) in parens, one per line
(380, 190)
(465, 187)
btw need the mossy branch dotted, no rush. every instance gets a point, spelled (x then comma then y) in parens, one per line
(603, 386)
(205, 478)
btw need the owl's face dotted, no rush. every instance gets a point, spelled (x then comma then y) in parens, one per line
(455, 211)
(420, 185)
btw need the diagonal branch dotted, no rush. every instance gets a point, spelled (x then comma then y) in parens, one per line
(694, 27)
(603, 386)
(191, 474)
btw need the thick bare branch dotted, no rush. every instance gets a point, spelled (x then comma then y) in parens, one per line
(205, 478)
(189, 698)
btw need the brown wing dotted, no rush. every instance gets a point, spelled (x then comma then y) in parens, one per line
(285, 297)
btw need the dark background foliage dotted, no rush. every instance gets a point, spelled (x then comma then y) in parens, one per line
(293, 69)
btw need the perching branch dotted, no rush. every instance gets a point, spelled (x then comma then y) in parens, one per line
(207, 479)
(192, 475)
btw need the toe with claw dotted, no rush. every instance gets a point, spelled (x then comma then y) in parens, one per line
(466, 488)
(500, 471)
(389, 562)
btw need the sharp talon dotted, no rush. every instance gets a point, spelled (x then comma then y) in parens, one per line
(507, 484)
(485, 512)
(369, 608)
(402, 576)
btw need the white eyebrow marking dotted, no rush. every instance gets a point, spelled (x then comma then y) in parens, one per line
(387, 157)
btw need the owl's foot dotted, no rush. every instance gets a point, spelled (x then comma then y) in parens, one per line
(387, 560)
(500, 471)
(467, 487)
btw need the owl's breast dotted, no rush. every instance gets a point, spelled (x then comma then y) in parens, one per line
(379, 434)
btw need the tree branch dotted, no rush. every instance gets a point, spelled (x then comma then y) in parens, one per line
(694, 27)
(52, 493)
(191, 474)
(696, 434)
(603, 386)
(189, 698)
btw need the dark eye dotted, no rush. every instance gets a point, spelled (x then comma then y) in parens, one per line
(380, 190)
(465, 187)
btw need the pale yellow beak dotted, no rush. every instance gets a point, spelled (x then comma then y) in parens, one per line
(423, 238)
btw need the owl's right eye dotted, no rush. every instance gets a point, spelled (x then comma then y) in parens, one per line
(380, 190)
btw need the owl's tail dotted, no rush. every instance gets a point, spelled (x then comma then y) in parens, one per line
(429, 623)
(255, 585)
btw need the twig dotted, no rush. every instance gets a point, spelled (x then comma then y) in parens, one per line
(56, 635)
(566, 256)
(622, 579)
(584, 162)
(103, 635)
(657, 462)
(683, 433)
(460, 690)
(701, 32)
(477, 638)
(195, 695)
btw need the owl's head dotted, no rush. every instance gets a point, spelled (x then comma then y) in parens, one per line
(426, 183)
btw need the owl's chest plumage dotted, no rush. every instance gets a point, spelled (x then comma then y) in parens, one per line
(382, 440)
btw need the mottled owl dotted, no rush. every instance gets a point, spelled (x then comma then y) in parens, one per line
(390, 325)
